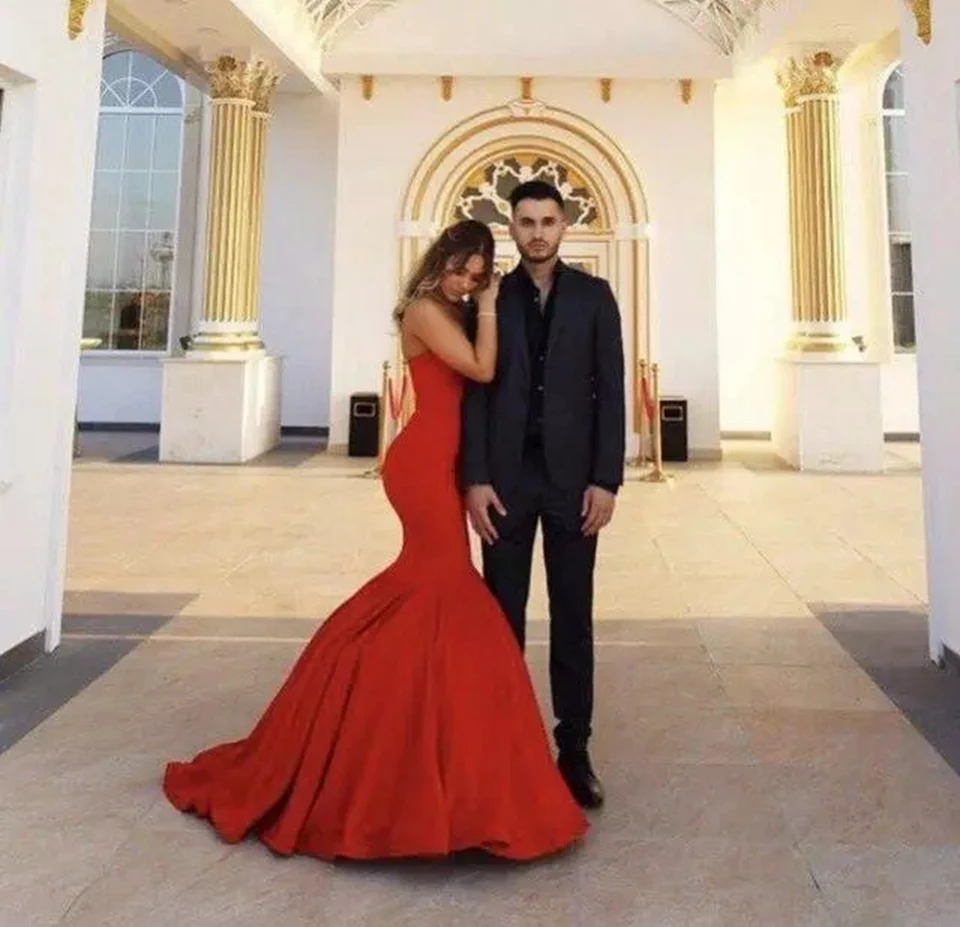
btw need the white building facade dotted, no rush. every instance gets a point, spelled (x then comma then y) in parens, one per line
(229, 205)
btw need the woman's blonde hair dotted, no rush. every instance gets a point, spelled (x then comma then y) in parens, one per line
(455, 245)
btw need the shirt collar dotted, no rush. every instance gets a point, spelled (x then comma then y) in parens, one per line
(558, 269)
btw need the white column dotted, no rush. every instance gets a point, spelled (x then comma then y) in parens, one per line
(50, 72)
(933, 131)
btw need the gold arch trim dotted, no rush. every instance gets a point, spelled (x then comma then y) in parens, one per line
(463, 132)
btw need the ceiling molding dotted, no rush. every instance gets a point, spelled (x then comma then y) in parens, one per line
(721, 22)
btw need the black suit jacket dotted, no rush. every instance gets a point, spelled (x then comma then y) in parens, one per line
(584, 419)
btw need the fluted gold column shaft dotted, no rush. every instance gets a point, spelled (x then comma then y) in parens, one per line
(794, 169)
(816, 209)
(240, 92)
(266, 83)
(256, 214)
(825, 279)
(228, 214)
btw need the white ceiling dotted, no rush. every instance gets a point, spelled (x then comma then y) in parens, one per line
(796, 24)
(719, 21)
(184, 33)
(608, 38)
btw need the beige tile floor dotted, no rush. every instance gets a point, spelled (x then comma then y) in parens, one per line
(757, 770)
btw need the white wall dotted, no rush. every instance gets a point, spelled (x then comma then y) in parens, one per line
(933, 120)
(119, 389)
(900, 395)
(298, 266)
(671, 145)
(753, 245)
(753, 240)
(46, 176)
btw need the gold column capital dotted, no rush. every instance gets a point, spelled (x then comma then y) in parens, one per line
(811, 75)
(232, 79)
(76, 10)
(924, 17)
(266, 78)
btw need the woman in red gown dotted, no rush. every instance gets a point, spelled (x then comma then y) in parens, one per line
(408, 727)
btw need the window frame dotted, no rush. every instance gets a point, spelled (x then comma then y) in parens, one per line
(127, 110)
(893, 236)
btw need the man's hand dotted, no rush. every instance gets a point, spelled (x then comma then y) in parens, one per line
(478, 501)
(597, 509)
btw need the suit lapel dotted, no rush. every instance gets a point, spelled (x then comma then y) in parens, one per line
(561, 310)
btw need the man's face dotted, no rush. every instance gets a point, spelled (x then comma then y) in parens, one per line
(537, 228)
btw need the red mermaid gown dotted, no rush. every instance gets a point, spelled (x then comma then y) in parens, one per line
(408, 726)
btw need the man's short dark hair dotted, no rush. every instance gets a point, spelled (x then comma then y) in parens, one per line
(536, 190)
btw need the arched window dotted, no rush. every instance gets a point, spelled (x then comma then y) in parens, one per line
(486, 194)
(133, 230)
(898, 214)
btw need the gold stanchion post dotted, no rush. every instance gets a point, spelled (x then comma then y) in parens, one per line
(384, 414)
(641, 413)
(657, 474)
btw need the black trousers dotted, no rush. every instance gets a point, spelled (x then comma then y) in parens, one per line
(569, 559)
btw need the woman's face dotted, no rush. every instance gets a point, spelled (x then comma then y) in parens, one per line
(457, 284)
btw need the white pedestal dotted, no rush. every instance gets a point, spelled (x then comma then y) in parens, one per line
(219, 409)
(828, 415)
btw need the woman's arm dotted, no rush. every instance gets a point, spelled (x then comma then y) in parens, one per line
(427, 322)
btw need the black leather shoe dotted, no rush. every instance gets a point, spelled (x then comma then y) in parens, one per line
(582, 781)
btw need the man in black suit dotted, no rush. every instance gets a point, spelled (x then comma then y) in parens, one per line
(545, 442)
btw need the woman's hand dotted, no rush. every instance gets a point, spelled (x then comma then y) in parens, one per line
(487, 298)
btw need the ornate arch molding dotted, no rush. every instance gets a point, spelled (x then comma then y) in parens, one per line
(535, 130)
(573, 140)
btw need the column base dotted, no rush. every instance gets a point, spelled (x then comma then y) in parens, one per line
(222, 409)
(828, 415)
(821, 338)
(224, 343)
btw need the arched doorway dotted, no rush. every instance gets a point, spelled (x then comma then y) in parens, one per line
(470, 170)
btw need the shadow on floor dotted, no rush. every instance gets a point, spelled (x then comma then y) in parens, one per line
(288, 456)
(137, 447)
(99, 630)
(891, 646)
(40, 689)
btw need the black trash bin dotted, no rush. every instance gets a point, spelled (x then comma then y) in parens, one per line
(673, 429)
(364, 425)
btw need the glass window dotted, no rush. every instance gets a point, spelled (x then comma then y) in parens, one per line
(898, 211)
(133, 238)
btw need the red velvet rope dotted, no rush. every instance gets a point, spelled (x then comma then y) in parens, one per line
(646, 398)
(396, 402)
